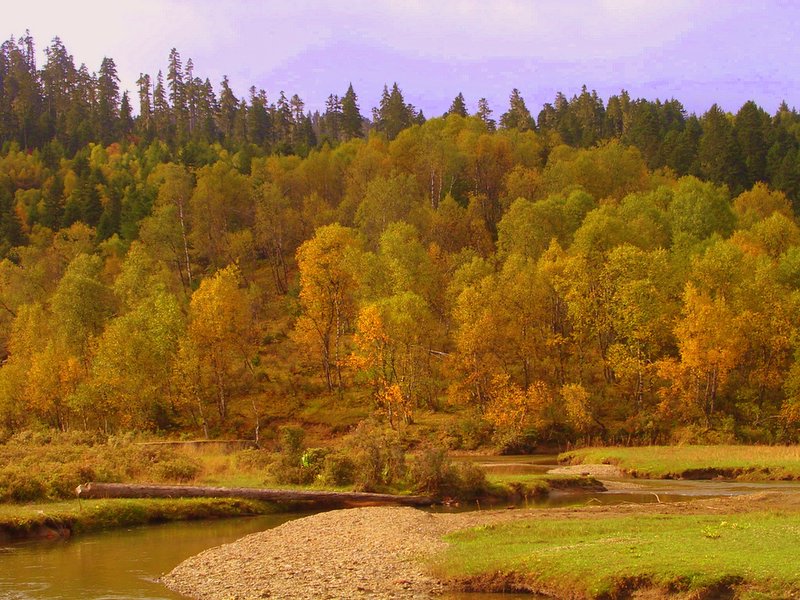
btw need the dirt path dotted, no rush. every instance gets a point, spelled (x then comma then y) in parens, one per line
(375, 552)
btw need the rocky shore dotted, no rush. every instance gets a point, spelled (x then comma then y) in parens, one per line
(374, 552)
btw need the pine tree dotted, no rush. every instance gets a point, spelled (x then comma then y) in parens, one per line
(331, 121)
(749, 127)
(258, 120)
(458, 106)
(161, 109)
(177, 95)
(58, 78)
(518, 116)
(228, 107)
(125, 116)
(107, 102)
(484, 113)
(393, 114)
(352, 121)
(145, 119)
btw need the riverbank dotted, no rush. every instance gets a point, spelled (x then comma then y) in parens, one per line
(743, 463)
(65, 519)
(406, 553)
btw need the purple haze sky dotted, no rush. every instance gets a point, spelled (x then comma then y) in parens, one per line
(698, 51)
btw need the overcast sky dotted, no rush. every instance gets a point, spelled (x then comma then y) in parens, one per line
(698, 51)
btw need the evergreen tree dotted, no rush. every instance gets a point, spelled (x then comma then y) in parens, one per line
(258, 119)
(331, 121)
(161, 118)
(107, 102)
(125, 116)
(484, 113)
(145, 119)
(282, 122)
(177, 95)
(228, 108)
(393, 114)
(749, 131)
(718, 150)
(352, 121)
(58, 78)
(590, 116)
(518, 116)
(458, 106)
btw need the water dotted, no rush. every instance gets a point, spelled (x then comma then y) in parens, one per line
(117, 564)
(124, 564)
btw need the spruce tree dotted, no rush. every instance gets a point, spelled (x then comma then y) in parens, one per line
(352, 121)
(458, 106)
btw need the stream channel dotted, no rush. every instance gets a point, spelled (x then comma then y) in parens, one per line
(126, 563)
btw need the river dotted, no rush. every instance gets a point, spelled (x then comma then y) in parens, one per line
(125, 564)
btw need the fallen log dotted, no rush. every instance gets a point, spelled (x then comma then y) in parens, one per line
(124, 490)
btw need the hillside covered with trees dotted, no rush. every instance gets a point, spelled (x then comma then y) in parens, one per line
(616, 270)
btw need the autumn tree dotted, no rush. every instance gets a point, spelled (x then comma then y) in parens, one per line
(327, 264)
(214, 357)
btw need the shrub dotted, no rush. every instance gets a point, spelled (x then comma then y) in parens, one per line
(288, 467)
(252, 459)
(515, 442)
(378, 456)
(471, 480)
(19, 485)
(337, 470)
(432, 472)
(468, 433)
(180, 469)
(312, 461)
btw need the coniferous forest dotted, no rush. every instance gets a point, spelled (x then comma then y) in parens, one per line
(190, 262)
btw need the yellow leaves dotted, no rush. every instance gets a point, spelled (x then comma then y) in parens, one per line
(513, 408)
(708, 335)
(577, 406)
(394, 403)
(328, 263)
(219, 311)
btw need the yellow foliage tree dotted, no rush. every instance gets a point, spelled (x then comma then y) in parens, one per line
(327, 264)
(214, 356)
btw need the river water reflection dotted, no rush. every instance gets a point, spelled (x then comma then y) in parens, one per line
(115, 565)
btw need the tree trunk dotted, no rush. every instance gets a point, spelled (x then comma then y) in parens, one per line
(122, 490)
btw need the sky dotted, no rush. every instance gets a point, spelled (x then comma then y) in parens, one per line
(697, 51)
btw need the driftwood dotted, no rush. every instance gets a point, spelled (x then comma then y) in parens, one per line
(124, 490)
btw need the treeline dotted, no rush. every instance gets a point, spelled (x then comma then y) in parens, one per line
(538, 289)
(61, 108)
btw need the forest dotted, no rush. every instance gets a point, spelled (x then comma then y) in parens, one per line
(616, 271)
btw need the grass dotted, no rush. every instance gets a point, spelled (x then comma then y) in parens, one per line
(45, 519)
(526, 485)
(743, 462)
(605, 557)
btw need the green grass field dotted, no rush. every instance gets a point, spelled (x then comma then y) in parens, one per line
(605, 557)
(743, 462)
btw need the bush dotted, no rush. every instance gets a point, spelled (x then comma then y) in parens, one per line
(288, 468)
(180, 469)
(469, 433)
(432, 472)
(378, 456)
(312, 461)
(472, 480)
(515, 442)
(252, 459)
(19, 485)
(337, 470)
